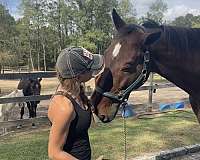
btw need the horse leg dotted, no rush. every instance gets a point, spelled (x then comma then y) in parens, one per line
(195, 103)
(22, 112)
(33, 109)
(19, 126)
(30, 109)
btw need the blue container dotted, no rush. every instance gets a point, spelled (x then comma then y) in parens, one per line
(179, 105)
(168, 106)
(128, 111)
(164, 107)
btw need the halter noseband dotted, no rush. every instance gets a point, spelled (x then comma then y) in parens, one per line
(124, 95)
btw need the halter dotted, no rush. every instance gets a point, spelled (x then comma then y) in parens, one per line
(124, 95)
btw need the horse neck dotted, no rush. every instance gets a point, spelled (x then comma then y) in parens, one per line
(180, 66)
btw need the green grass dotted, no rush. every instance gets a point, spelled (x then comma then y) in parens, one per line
(145, 135)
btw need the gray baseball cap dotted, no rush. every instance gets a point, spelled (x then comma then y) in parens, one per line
(76, 60)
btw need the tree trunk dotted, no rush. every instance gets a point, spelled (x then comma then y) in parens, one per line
(38, 50)
(44, 56)
(59, 26)
(31, 59)
(38, 36)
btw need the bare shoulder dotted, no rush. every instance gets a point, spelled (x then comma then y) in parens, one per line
(60, 107)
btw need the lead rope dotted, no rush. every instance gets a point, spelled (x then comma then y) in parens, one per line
(125, 132)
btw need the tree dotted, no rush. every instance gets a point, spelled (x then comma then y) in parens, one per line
(90, 20)
(189, 20)
(184, 21)
(156, 11)
(128, 11)
(7, 29)
(7, 38)
(46, 27)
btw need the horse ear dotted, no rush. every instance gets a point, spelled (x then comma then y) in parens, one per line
(39, 79)
(151, 38)
(118, 22)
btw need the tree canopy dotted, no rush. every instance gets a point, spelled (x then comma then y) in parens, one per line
(46, 27)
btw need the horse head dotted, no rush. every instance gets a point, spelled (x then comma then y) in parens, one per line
(30, 86)
(124, 63)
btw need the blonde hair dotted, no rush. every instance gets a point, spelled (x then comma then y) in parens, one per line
(74, 88)
(71, 86)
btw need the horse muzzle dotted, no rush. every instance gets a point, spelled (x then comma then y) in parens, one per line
(109, 115)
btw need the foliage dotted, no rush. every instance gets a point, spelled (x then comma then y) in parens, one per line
(46, 27)
(156, 11)
(189, 20)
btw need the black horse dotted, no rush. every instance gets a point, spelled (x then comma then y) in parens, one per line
(135, 51)
(30, 87)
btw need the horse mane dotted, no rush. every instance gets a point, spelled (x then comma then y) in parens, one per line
(181, 40)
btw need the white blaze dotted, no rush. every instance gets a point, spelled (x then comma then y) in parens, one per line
(116, 49)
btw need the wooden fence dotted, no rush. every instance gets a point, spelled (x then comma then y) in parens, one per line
(15, 76)
(17, 69)
(11, 76)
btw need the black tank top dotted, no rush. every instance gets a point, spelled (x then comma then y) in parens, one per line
(77, 143)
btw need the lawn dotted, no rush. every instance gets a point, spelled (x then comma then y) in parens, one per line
(150, 134)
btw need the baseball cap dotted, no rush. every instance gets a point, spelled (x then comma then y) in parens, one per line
(76, 60)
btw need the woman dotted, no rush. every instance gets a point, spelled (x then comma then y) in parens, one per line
(69, 110)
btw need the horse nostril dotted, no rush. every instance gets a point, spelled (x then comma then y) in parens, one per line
(104, 118)
(101, 117)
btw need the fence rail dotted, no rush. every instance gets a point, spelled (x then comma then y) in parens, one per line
(25, 99)
(13, 76)
(47, 97)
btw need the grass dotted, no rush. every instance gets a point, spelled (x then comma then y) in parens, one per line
(145, 135)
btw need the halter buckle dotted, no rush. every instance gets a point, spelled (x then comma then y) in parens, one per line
(146, 56)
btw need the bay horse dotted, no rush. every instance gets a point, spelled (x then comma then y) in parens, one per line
(135, 51)
(30, 87)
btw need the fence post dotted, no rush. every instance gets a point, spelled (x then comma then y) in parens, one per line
(150, 105)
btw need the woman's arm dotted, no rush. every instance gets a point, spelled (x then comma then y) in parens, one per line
(60, 113)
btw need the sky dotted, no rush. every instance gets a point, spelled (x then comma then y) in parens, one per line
(175, 7)
(12, 6)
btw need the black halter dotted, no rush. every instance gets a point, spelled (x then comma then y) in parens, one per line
(124, 95)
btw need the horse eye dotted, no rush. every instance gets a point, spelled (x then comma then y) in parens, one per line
(129, 68)
(126, 69)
